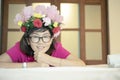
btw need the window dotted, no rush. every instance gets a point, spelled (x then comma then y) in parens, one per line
(84, 29)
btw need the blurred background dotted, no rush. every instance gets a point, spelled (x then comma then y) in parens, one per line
(90, 29)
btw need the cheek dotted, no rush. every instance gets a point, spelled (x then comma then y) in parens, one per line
(50, 42)
(48, 45)
(33, 46)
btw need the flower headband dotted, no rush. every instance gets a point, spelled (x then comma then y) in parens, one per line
(38, 17)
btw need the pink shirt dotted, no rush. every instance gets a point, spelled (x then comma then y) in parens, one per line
(18, 56)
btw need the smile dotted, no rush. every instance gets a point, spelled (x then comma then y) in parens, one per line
(40, 47)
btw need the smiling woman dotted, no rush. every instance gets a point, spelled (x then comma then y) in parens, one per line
(38, 46)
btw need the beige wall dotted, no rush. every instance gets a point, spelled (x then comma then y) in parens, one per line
(114, 25)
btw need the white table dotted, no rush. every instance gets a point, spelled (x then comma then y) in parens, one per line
(94, 72)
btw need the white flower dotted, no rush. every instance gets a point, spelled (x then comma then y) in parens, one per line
(47, 21)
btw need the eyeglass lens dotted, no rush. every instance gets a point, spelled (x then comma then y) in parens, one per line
(36, 39)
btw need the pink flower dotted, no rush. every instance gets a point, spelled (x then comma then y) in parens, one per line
(23, 28)
(27, 12)
(56, 29)
(51, 11)
(37, 23)
(58, 18)
(18, 18)
(40, 9)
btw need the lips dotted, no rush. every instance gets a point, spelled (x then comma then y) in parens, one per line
(40, 47)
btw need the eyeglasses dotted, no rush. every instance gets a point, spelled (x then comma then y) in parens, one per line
(36, 39)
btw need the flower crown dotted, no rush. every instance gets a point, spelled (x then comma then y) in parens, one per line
(38, 17)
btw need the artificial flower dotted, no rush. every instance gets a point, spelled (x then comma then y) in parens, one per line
(27, 12)
(57, 34)
(55, 24)
(20, 23)
(18, 18)
(47, 21)
(37, 23)
(55, 30)
(58, 18)
(51, 12)
(37, 15)
(40, 9)
(23, 28)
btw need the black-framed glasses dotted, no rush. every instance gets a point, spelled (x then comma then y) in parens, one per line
(36, 39)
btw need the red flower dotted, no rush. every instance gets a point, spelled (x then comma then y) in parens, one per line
(56, 29)
(23, 28)
(37, 23)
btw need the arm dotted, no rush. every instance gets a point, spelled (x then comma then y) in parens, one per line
(69, 61)
(72, 60)
(20, 65)
(6, 62)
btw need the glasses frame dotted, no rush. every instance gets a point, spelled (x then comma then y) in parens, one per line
(39, 39)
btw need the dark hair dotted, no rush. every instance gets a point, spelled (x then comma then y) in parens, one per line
(25, 48)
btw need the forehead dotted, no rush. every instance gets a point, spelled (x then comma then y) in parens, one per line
(41, 33)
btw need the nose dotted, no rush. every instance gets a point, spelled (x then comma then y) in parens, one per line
(40, 40)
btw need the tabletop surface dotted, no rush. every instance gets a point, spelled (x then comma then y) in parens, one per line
(90, 72)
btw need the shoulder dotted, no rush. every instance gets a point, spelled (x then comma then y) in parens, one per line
(57, 45)
(60, 51)
(14, 52)
(17, 44)
(15, 48)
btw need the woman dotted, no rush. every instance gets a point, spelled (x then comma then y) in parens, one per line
(38, 46)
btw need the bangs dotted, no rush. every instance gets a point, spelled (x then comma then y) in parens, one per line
(41, 29)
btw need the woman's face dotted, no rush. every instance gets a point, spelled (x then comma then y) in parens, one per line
(40, 41)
